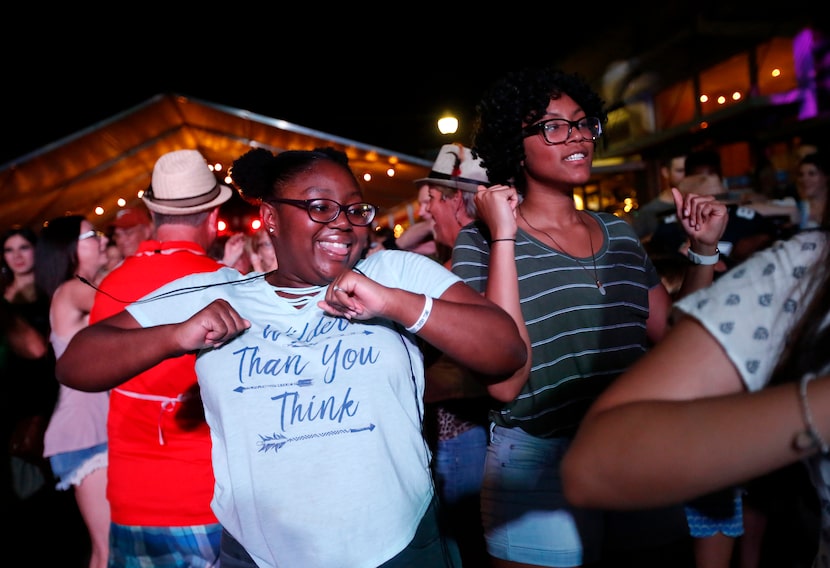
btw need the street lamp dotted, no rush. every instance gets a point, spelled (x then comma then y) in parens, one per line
(447, 124)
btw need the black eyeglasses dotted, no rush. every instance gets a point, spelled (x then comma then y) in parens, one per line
(558, 130)
(327, 210)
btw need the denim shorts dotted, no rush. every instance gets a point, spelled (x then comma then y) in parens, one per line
(525, 516)
(719, 512)
(72, 467)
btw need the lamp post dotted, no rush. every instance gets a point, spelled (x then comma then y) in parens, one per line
(447, 124)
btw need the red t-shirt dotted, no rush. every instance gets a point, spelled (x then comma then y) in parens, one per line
(159, 471)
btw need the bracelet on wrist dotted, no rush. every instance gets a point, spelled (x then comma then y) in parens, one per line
(422, 319)
(809, 438)
(499, 240)
(705, 260)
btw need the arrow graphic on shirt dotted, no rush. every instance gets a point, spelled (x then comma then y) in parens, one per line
(300, 383)
(300, 343)
(276, 441)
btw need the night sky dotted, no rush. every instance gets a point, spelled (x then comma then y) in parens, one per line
(375, 77)
(383, 84)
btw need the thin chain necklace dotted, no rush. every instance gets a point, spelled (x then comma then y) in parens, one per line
(561, 248)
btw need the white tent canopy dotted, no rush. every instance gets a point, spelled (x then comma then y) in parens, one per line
(114, 159)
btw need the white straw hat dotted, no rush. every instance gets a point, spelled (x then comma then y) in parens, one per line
(455, 167)
(183, 184)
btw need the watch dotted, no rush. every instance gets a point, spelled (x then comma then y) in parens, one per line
(695, 258)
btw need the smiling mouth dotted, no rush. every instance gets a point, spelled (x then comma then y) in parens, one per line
(335, 248)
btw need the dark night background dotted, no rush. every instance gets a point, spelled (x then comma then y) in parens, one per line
(377, 77)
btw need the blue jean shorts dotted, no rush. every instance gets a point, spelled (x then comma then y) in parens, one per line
(525, 516)
(72, 467)
(719, 512)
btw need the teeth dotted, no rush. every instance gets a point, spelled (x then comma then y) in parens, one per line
(577, 156)
(334, 245)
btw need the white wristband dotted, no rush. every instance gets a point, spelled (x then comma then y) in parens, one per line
(708, 260)
(422, 319)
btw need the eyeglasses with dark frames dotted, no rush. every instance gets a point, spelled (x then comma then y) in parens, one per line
(90, 234)
(327, 210)
(559, 130)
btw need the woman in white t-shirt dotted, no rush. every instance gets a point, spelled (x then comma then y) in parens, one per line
(310, 374)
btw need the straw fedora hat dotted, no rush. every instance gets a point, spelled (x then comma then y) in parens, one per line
(455, 167)
(182, 184)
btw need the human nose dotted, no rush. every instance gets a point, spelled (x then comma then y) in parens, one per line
(572, 127)
(341, 217)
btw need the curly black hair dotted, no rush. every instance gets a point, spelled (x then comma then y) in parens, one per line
(259, 174)
(514, 101)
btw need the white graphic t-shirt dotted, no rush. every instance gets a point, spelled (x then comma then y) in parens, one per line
(315, 421)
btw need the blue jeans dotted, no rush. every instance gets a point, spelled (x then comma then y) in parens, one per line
(459, 465)
(459, 471)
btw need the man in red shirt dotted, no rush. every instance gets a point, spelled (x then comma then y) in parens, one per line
(160, 479)
(132, 226)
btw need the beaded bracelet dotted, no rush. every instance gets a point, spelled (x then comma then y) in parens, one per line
(809, 438)
(422, 319)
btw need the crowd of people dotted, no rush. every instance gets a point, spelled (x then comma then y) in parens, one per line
(512, 382)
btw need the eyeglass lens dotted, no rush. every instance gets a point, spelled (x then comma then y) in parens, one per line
(557, 130)
(326, 210)
(89, 234)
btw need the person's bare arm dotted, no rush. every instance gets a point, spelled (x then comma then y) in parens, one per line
(496, 206)
(659, 310)
(704, 220)
(25, 340)
(482, 336)
(104, 355)
(464, 325)
(679, 424)
(415, 235)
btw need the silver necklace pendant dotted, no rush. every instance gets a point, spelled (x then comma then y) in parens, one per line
(600, 287)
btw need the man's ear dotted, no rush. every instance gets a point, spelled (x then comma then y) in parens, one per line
(213, 218)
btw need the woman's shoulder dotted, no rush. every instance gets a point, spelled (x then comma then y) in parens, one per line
(73, 291)
(609, 219)
(71, 304)
(394, 258)
(400, 268)
(618, 229)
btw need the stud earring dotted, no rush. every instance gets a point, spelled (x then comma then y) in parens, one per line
(270, 229)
